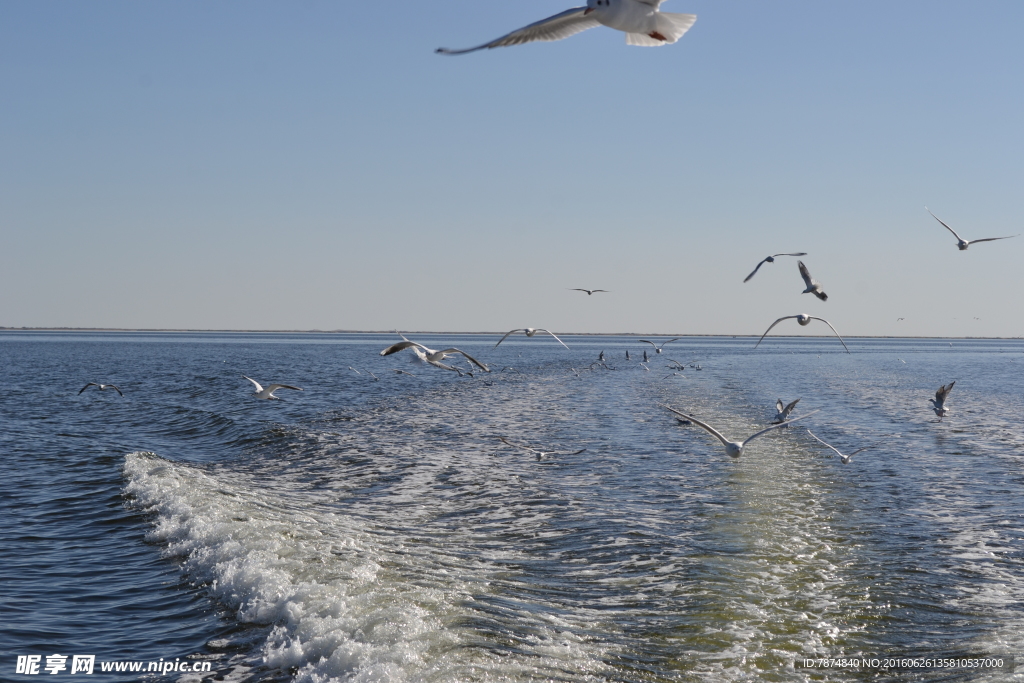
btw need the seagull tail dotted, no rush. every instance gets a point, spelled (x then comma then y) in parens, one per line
(668, 28)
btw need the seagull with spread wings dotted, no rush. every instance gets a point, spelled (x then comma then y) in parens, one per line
(530, 331)
(782, 410)
(101, 387)
(588, 291)
(640, 20)
(813, 286)
(939, 402)
(734, 448)
(430, 355)
(771, 259)
(803, 319)
(961, 243)
(539, 454)
(657, 348)
(268, 393)
(845, 459)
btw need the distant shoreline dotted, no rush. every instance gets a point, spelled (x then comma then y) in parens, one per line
(575, 334)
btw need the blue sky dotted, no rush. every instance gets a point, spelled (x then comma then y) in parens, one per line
(313, 165)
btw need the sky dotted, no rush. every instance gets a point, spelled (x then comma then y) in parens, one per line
(314, 165)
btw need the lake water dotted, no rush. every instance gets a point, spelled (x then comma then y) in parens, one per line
(379, 530)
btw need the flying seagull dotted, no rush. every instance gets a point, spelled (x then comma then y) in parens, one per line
(530, 331)
(588, 291)
(659, 348)
(961, 243)
(803, 319)
(102, 387)
(640, 20)
(771, 259)
(782, 411)
(939, 402)
(813, 286)
(845, 459)
(539, 454)
(430, 355)
(268, 393)
(734, 448)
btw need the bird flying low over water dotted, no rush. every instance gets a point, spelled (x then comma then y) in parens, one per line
(588, 291)
(961, 243)
(640, 20)
(771, 259)
(803, 319)
(657, 348)
(845, 459)
(431, 356)
(539, 454)
(813, 286)
(782, 410)
(733, 448)
(268, 393)
(101, 387)
(530, 331)
(939, 402)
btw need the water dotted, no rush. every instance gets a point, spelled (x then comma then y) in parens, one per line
(369, 530)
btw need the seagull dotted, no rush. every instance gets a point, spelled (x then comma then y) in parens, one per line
(961, 243)
(530, 331)
(734, 448)
(803, 319)
(657, 348)
(627, 354)
(845, 459)
(640, 20)
(813, 286)
(771, 259)
(600, 356)
(899, 319)
(589, 292)
(783, 411)
(102, 387)
(539, 454)
(938, 403)
(430, 355)
(268, 393)
(645, 356)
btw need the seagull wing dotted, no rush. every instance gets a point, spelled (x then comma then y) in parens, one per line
(541, 329)
(717, 434)
(779, 406)
(992, 239)
(943, 392)
(258, 387)
(115, 389)
(401, 346)
(943, 224)
(770, 328)
(557, 27)
(833, 447)
(518, 329)
(790, 407)
(518, 445)
(752, 274)
(648, 342)
(274, 387)
(90, 384)
(776, 426)
(670, 341)
(799, 253)
(470, 358)
(805, 274)
(833, 329)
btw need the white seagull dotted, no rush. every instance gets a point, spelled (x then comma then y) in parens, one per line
(659, 348)
(640, 20)
(102, 387)
(961, 243)
(268, 393)
(803, 319)
(734, 448)
(939, 402)
(588, 291)
(845, 459)
(430, 355)
(771, 259)
(813, 286)
(539, 454)
(782, 411)
(530, 331)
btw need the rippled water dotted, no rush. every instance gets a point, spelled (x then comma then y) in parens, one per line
(370, 530)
